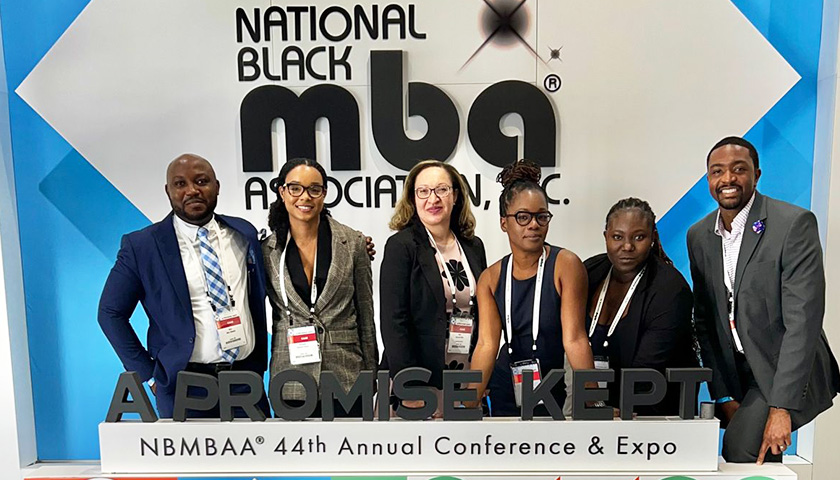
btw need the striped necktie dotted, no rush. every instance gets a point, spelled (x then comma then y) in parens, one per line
(216, 287)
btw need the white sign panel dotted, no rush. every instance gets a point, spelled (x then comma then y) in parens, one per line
(312, 446)
(639, 91)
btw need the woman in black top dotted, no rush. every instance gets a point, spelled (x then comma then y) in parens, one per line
(421, 303)
(562, 288)
(639, 310)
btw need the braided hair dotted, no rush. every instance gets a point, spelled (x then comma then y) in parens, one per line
(517, 177)
(633, 203)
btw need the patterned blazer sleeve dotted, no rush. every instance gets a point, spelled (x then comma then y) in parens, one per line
(363, 277)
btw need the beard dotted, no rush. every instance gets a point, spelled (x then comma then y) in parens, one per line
(199, 217)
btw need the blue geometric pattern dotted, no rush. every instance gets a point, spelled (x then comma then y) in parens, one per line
(784, 137)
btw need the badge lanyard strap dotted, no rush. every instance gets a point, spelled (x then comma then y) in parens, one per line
(225, 272)
(535, 319)
(730, 291)
(467, 268)
(620, 310)
(313, 296)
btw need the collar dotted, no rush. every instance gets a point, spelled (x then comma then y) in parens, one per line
(190, 231)
(738, 223)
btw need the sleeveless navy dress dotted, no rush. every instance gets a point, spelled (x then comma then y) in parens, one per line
(549, 341)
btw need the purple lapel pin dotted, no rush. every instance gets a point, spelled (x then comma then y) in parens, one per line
(758, 227)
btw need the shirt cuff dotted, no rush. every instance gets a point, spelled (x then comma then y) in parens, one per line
(724, 400)
(151, 382)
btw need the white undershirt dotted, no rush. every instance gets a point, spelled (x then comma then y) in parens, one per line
(232, 249)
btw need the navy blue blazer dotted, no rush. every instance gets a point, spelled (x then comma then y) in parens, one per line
(149, 270)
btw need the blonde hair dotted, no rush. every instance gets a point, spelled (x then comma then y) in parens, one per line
(462, 221)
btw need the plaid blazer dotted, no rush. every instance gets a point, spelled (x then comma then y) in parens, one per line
(343, 312)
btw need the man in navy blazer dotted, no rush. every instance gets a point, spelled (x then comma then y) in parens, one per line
(156, 266)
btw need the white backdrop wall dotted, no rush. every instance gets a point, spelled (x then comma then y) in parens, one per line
(105, 94)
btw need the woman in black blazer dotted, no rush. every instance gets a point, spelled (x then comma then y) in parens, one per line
(435, 227)
(653, 329)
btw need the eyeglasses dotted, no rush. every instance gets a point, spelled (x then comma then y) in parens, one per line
(314, 191)
(425, 192)
(523, 218)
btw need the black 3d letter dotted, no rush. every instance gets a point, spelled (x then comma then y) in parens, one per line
(275, 394)
(531, 396)
(513, 96)
(424, 100)
(410, 384)
(629, 397)
(688, 378)
(267, 103)
(183, 400)
(361, 391)
(581, 394)
(246, 401)
(129, 383)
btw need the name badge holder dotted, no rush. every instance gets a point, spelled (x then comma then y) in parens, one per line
(728, 280)
(602, 362)
(520, 368)
(461, 323)
(517, 369)
(304, 347)
(228, 322)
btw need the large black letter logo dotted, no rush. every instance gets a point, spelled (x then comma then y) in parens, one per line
(264, 104)
(425, 100)
(513, 96)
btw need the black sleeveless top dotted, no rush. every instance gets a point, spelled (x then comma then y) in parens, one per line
(549, 341)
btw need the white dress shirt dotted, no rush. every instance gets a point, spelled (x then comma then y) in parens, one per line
(731, 240)
(232, 249)
(731, 245)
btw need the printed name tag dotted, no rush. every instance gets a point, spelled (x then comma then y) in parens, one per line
(231, 331)
(303, 345)
(602, 363)
(460, 333)
(524, 367)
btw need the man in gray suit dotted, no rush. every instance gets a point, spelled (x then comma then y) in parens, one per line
(759, 291)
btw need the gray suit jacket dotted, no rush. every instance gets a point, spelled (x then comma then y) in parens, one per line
(344, 311)
(779, 306)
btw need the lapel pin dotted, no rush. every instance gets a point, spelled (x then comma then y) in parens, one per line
(758, 227)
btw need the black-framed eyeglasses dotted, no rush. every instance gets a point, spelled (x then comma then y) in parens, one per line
(314, 190)
(523, 218)
(441, 191)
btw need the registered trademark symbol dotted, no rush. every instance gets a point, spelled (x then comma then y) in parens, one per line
(552, 82)
(259, 440)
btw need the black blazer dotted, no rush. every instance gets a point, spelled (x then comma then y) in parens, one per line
(412, 313)
(657, 331)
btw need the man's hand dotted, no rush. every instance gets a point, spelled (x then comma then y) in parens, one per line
(776, 433)
(370, 246)
(725, 411)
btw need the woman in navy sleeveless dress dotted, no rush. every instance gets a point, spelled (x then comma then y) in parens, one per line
(562, 291)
